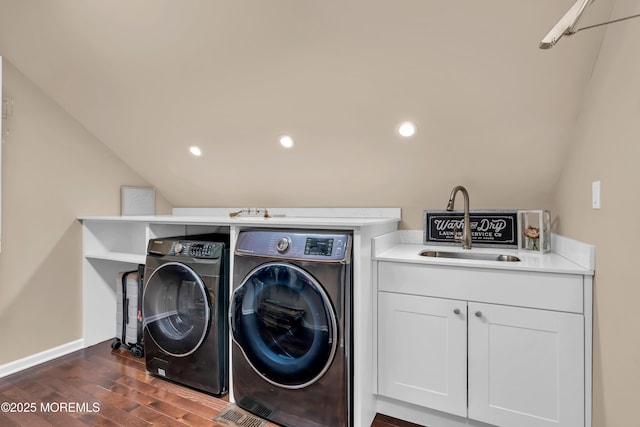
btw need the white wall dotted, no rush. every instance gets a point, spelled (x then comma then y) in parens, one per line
(607, 148)
(53, 170)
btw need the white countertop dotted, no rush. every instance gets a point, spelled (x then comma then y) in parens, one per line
(550, 263)
(390, 247)
(275, 221)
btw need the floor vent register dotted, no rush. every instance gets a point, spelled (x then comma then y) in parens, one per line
(234, 416)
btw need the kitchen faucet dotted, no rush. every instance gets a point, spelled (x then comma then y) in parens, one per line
(466, 231)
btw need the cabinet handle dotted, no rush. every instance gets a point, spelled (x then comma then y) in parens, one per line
(478, 314)
(456, 311)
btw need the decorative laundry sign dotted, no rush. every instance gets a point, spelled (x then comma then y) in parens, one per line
(494, 228)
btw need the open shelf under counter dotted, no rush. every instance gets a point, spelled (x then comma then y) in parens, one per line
(117, 256)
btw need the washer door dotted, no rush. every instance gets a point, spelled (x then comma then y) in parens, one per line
(176, 309)
(285, 325)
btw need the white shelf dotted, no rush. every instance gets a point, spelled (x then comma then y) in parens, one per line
(346, 223)
(118, 256)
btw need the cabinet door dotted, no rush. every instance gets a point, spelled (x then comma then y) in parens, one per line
(526, 367)
(422, 347)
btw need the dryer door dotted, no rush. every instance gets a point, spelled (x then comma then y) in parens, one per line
(176, 309)
(285, 325)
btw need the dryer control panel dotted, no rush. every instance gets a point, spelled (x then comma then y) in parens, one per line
(296, 245)
(194, 249)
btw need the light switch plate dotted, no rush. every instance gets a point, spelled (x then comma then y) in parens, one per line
(595, 194)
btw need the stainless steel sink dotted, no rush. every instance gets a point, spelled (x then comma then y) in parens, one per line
(470, 255)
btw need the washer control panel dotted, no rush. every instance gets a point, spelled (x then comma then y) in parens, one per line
(186, 248)
(194, 249)
(297, 245)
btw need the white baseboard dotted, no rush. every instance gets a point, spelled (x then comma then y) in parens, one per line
(38, 358)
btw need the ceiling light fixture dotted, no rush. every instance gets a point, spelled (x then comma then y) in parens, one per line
(286, 141)
(196, 151)
(406, 129)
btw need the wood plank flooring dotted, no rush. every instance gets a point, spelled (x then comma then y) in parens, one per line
(98, 386)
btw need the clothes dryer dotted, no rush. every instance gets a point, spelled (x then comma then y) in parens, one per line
(184, 310)
(291, 323)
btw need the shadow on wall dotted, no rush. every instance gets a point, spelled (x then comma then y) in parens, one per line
(46, 308)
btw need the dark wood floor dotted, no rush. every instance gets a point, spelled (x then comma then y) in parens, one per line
(98, 386)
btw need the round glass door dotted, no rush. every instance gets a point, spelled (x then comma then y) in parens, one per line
(285, 325)
(176, 309)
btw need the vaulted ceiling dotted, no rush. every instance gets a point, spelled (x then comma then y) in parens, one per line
(149, 78)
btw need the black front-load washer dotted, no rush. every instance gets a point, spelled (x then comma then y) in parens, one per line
(291, 325)
(184, 310)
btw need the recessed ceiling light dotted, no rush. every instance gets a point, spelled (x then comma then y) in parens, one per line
(196, 151)
(286, 141)
(406, 129)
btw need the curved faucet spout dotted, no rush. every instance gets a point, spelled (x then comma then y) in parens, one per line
(466, 231)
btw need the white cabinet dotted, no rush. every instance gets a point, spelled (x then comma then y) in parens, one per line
(526, 366)
(423, 351)
(484, 361)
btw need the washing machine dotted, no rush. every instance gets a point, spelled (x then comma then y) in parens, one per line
(184, 311)
(291, 322)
